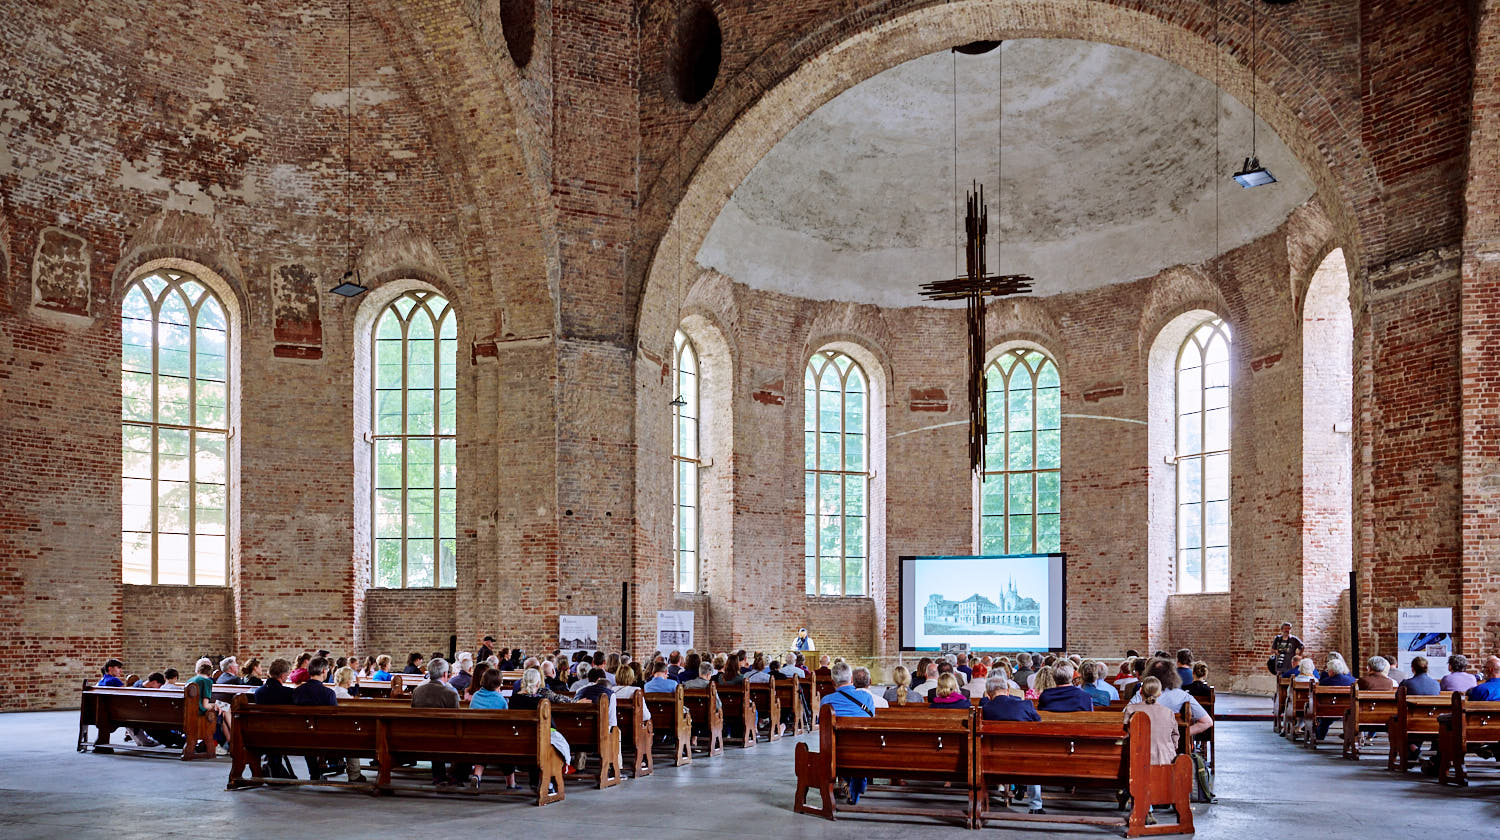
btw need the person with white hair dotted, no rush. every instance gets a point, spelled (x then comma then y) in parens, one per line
(1458, 677)
(861, 681)
(848, 701)
(1307, 671)
(1065, 696)
(1337, 676)
(437, 694)
(229, 672)
(1000, 705)
(1378, 677)
(533, 690)
(464, 672)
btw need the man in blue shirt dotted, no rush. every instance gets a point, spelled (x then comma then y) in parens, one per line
(1420, 683)
(1185, 666)
(1490, 688)
(1064, 697)
(660, 682)
(999, 705)
(847, 701)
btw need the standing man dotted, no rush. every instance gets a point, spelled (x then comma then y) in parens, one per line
(1285, 646)
(486, 648)
(803, 642)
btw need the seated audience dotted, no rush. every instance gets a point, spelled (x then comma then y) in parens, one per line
(1040, 682)
(343, 683)
(1199, 687)
(1378, 676)
(229, 672)
(861, 681)
(487, 695)
(899, 689)
(1093, 686)
(758, 672)
(217, 710)
(1064, 697)
(414, 664)
(435, 693)
(533, 690)
(1184, 666)
(628, 683)
(730, 673)
(1022, 673)
(1307, 671)
(1337, 673)
(1173, 697)
(690, 665)
(1000, 705)
(847, 702)
(1490, 688)
(1164, 734)
(275, 692)
(382, 672)
(253, 673)
(947, 693)
(1420, 682)
(172, 676)
(929, 680)
(112, 674)
(298, 675)
(465, 665)
(1458, 677)
(660, 682)
(705, 673)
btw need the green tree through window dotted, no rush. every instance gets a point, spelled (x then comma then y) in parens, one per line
(685, 463)
(174, 382)
(837, 474)
(1203, 459)
(414, 417)
(1020, 494)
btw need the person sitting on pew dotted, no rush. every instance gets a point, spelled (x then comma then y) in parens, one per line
(660, 682)
(1490, 688)
(465, 673)
(900, 689)
(1095, 687)
(847, 702)
(1173, 697)
(1420, 682)
(555, 683)
(1164, 734)
(929, 673)
(229, 672)
(275, 693)
(999, 704)
(757, 672)
(1378, 675)
(1199, 687)
(1184, 666)
(414, 663)
(705, 674)
(487, 682)
(343, 683)
(112, 675)
(947, 695)
(626, 684)
(298, 675)
(1040, 681)
(1064, 697)
(1337, 676)
(533, 690)
(382, 672)
(1458, 677)
(597, 687)
(861, 677)
(1307, 671)
(437, 694)
(253, 674)
(218, 710)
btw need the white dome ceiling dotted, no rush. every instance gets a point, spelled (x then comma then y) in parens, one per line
(1108, 157)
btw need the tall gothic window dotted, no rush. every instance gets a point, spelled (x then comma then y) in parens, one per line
(837, 472)
(174, 379)
(415, 459)
(1203, 459)
(685, 463)
(1020, 496)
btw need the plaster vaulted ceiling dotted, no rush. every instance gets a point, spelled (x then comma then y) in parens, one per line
(1109, 176)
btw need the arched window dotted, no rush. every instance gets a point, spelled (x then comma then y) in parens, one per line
(174, 379)
(1203, 459)
(837, 473)
(1020, 495)
(685, 462)
(415, 498)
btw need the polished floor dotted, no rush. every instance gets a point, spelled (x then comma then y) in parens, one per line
(1266, 788)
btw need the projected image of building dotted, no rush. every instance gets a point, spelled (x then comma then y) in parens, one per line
(1009, 614)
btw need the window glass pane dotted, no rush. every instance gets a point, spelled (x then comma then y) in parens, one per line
(421, 519)
(854, 538)
(213, 400)
(172, 504)
(1216, 524)
(1048, 493)
(1189, 480)
(1189, 526)
(1020, 407)
(172, 458)
(210, 501)
(854, 412)
(388, 459)
(830, 581)
(135, 510)
(174, 400)
(208, 560)
(388, 563)
(419, 562)
(1216, 477)
(811, 562)
(855, 487)
(1049, 532)
(135, 342)
(388, 516)
(1019, 444)
(212, 352)
(1049, 449)
(1049, 408)
(388, 356)
(135, 552)
(809, 404)
(1216, 570)
(448, 463)
(1047, 377)
(448, 563)
(447, 412)
(135, 391)
(687, 486)
(810, 494)
(992, 541)
(1020, 534)
(174, 338)
(388, 412)
(854, 576)
(1190, 434)
(830, 537)
(1189, 389)
(829, 454)
(1020, 493)
(992, 494)
(854, 452)
(136, 454)
(448, 364)
(830, 497)
(419, 464)
(1190, 570)
(1216, 430)
(448, 513)
(172, 558)
(419, 412)
(810, 450)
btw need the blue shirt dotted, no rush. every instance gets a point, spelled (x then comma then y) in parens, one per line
(1096, 692)
(1114, 693)
(1184, 674)
(1338, 680)
(1174, 698)
(486, 699)
(1064, 698)
(1005, 707)
(1422, 684)
(1487, 690)
(660, 685)
(111, 681)
(847, 704)
(381, 676)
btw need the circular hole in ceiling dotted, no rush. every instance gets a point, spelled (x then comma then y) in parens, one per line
(518, 23)
(699, 48)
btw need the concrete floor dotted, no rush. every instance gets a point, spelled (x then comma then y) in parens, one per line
(1265, 786)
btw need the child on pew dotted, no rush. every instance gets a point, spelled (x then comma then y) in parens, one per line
(1163, 722)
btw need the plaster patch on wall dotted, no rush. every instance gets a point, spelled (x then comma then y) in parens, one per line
(366, 94)
(60, 274)
(294, 289)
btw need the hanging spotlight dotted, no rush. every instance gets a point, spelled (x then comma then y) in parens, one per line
(679, 402)
(1253, 174)
(349, 285)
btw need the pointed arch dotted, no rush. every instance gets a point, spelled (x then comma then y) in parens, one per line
(1018, 508)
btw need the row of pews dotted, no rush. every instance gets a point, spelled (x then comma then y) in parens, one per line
(379, 725)
(1455, 725)
(945, 763)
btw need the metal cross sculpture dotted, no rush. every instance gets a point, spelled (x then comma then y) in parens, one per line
(973, 288)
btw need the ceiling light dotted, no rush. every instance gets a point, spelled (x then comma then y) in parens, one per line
(349, 286)
(1253, 174)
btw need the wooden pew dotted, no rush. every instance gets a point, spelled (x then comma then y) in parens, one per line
(764, 697)
(173, 707)
(1416, 719)
(908, 742)
(1325, 702)
(1467, 726)
(670, 718)
(1083, 750)
(1368, 711)
(789, 697)
(1296, 709)
(636, 733)
(586, 726)
(1205, 741)
(738, 710)
(706, 709)
(392, 734)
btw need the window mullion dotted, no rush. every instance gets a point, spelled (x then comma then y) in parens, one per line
(155, 437)
(405, 446)
(192, 535)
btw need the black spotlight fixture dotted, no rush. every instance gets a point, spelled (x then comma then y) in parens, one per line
(1252, 174)
(679, 402)
(349, 285)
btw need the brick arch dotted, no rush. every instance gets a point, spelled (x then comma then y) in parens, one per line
(179, 237)
(480, 124)
(1304, 101)
(1172, 293)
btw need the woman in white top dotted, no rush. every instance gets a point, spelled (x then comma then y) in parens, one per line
(625, 687)
(342, 680)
